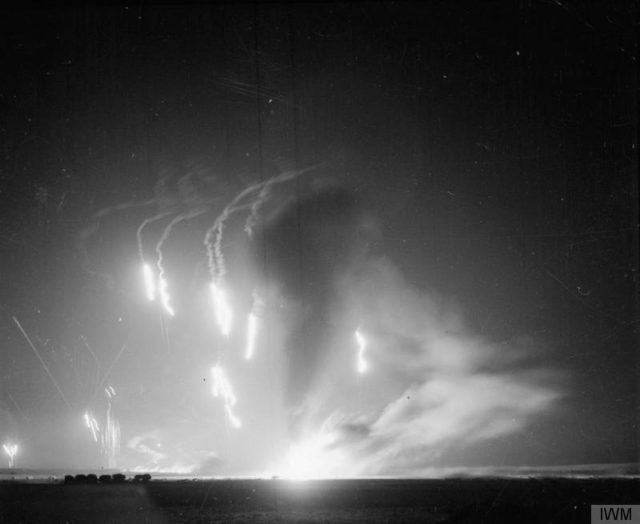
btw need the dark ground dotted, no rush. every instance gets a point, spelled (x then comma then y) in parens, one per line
(452, 500)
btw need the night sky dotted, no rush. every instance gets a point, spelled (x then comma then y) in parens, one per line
(463, 191)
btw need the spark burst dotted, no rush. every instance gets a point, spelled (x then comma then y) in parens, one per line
(11, 450)
(222, 388)
(362, 346)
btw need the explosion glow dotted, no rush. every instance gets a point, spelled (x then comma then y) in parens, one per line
(222, 309)
(222, 388)
(362, 346)
(11, 450)
(149, 282)
(436, 390)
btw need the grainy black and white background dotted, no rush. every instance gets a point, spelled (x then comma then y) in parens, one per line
(470, 207)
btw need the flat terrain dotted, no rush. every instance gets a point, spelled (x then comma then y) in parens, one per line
(490, 500)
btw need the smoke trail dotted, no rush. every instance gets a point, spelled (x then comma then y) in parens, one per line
(215, 257)
(163, 285)
(144, 224)
(439, 389)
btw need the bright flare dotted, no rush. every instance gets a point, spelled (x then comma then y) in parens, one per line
(222, 388)
(222, 309)
(362, 346)
(92, 424)
(149, 282)
(11, 450)
(164, 297)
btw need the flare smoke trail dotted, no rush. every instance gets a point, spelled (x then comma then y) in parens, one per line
(141, 227)
(163, 285)
(149, 278)
(214, 248)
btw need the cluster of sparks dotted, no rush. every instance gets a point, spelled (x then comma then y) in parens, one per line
(109, 439)
(11, 450)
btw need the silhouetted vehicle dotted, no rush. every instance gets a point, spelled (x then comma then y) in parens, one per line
(92, 479)
(119, 478)
(81, 478)
(104, 479)
(146, 477)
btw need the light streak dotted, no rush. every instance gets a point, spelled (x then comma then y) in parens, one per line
(11, 450)
(55, 382)
(111, 436)
(165, 299)
(149, 282)
(222, 388)
(162, 283)
(92, 424)
(222, 309)
(362, 346)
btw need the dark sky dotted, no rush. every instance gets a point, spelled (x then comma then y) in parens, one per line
(475, 161)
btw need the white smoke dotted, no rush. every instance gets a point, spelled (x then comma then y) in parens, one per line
(432, 388)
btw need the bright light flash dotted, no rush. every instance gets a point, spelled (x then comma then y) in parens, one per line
(164, 297)
(149, 282)
(362, 346)
(11, 450)
(222, 309)
(222, 388)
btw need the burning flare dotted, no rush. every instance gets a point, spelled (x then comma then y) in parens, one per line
(222, 388)
(11, 450)
(164, 297)
(222, 309)
(149, 282)
(362, 346)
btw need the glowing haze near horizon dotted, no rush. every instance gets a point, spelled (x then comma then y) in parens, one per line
(300, 358)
